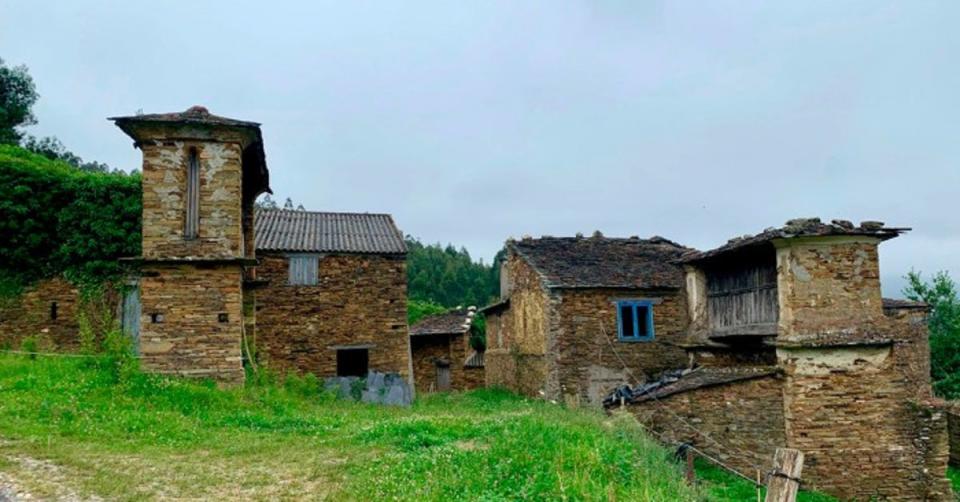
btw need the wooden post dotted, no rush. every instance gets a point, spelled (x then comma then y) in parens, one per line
(691, 473)
(785, 479)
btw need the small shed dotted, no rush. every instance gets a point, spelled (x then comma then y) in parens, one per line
(443, 359)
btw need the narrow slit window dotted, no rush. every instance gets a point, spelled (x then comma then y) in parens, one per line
(635, 321)
(192, 224)
(53, 311)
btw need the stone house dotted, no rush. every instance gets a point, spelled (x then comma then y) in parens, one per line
(334, 295)
(326, 296)
(580, 315)
(791, 345)
(442, 357)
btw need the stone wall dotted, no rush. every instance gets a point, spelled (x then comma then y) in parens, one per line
(474, 378)
(164, 206)
(739, 423)
(29, 315)
(191, 319)
(863, 417)
(518, 341)
(359, 300)
(827, 285)
(426, 350)
(953, 428)
(590, 358)
(501, 369)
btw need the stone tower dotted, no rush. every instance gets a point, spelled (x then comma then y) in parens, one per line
(201, 175)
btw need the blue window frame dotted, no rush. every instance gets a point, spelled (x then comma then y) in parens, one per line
(635, 320)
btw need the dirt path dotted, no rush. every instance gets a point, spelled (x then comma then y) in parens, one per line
(22, 471)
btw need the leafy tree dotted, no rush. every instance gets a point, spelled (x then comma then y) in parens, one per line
(944, 324)
(51, 148)
(17, 96)
(266, 202)
(448, 276)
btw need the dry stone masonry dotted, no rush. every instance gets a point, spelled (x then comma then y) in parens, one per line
(838, 373)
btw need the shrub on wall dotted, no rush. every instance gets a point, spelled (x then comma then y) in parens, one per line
(56, 219)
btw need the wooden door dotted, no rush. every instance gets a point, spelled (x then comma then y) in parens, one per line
(443, 377)
(130, 317)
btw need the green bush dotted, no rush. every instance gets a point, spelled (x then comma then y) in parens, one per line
(56, 219)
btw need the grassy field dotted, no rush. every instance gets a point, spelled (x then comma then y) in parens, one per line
(73, 427)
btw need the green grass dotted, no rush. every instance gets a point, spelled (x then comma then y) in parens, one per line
(69, 427)
(152, 437)
(953, 474)
(718, 484)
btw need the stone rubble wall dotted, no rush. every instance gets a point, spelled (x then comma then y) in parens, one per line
(192, 340)
(501, 369)
(164, 206)
(358, 300)
(515, 357)
(590, 357)
(827, 285)
(865, 419)
(953, 428)
(473, 378)
(426, 350)
(740, 423)
(28, 315)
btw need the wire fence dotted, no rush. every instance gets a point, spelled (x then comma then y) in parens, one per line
(731, 451)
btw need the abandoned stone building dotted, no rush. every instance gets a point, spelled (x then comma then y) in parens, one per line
(334, 294)
(578, 315)
(327, 296)
(443, 358)
(791, 345)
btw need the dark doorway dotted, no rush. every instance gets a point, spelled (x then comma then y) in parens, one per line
(352, 362)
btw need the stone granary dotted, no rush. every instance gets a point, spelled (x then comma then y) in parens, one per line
(443, 358)
(579, 316)
(201, 176)
(791, 345)
(327, 294)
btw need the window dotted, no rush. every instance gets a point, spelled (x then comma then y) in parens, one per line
(635, 320)
(192, 222)
(53, 311)
(303, 269)
(352, 362)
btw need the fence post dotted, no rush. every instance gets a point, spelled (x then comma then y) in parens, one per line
(691, 473)
(785, 479)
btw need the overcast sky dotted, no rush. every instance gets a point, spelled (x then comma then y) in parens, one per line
(474, 122)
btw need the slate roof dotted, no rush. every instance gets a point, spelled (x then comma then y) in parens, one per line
(677, 382)
(193, 115)
(320, 232)
(597, 262)
(448, 323)
(800, 227)
(256, 175)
